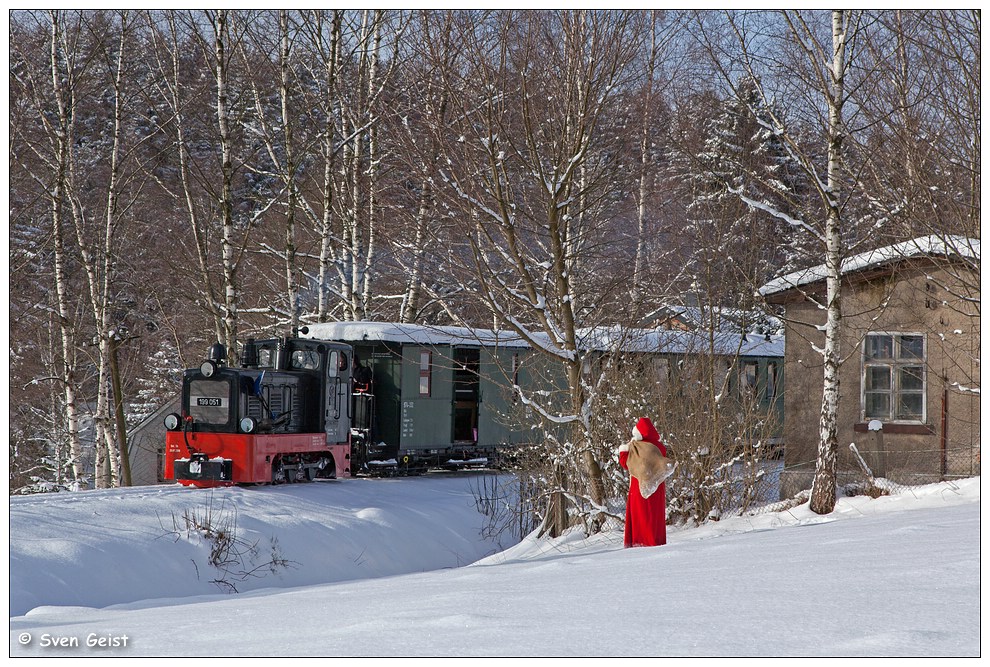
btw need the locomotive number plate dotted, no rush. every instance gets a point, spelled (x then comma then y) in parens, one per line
(202, 401)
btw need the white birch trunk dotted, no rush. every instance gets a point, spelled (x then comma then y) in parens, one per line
(62, 87)
(65, 327)
(327, 236)
(230, 297)
(410, 302)
(824, 485)
(289, 175)
(370, 246)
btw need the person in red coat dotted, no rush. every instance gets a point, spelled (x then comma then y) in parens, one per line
(646, 518)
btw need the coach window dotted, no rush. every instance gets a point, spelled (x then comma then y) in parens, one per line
(894, 377)
(772, 381)
(747, 380)
(425, 368)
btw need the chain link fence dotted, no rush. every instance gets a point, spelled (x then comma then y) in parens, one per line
(873, 472)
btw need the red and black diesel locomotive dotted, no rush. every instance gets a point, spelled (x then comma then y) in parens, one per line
(285, 415)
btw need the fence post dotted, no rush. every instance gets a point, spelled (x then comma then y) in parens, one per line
(876, 426)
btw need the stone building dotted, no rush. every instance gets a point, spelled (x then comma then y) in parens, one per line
(909, 393)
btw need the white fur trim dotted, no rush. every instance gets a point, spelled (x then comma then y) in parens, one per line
(636, 434)
(624, 448)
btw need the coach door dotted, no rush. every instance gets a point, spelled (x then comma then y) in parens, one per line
(466, 382)
(338, 389)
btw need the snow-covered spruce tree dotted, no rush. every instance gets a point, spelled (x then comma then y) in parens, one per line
(159, 383)
(738, 153)
(530, 166)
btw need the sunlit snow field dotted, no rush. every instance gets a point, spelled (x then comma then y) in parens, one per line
(408, 567)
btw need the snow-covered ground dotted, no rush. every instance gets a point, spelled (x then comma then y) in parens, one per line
(403, 567)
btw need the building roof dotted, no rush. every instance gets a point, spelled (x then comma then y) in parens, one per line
(599, 338)
(925, 246)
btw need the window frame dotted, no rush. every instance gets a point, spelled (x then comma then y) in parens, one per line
(895, 364)
(204, 417)
(425, 373)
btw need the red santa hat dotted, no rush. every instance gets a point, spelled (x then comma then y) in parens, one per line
(644, 430)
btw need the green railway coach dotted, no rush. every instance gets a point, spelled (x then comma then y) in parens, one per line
(443, 396)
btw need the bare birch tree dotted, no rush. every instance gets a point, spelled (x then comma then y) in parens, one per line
(223, 48)
(50, 89)
(343, 53)
(100, 262)
(172, 43)
(279, 137)
(323, 41)
(435, 52)
(206, 118)
(819, 65)
(528, 165)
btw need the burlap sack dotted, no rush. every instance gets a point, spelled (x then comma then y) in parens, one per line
(648, 466)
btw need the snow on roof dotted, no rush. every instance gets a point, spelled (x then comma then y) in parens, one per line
(729, 320)
(673, 341)
(924, 246)
(416, 334)
(599, 338)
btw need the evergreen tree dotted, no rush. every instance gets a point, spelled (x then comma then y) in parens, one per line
(736, 153)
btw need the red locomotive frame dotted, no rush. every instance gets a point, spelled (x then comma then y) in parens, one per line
(252, 457)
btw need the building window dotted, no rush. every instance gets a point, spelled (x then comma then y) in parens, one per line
(425, 365)
(894, 377)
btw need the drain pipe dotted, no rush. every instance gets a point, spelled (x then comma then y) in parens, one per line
(945, 429)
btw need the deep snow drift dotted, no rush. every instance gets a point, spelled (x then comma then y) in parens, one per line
(897, 575)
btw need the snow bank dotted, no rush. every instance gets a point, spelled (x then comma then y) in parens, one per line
(99, 548)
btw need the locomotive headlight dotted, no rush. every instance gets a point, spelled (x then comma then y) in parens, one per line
(247, 425)
(208, 368)
(172, 421)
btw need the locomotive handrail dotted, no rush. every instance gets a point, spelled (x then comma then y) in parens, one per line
(186, 425)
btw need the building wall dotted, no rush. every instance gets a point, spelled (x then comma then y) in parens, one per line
(146, 444)
(915, 297)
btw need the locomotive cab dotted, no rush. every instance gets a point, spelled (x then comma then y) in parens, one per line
(280, 417)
